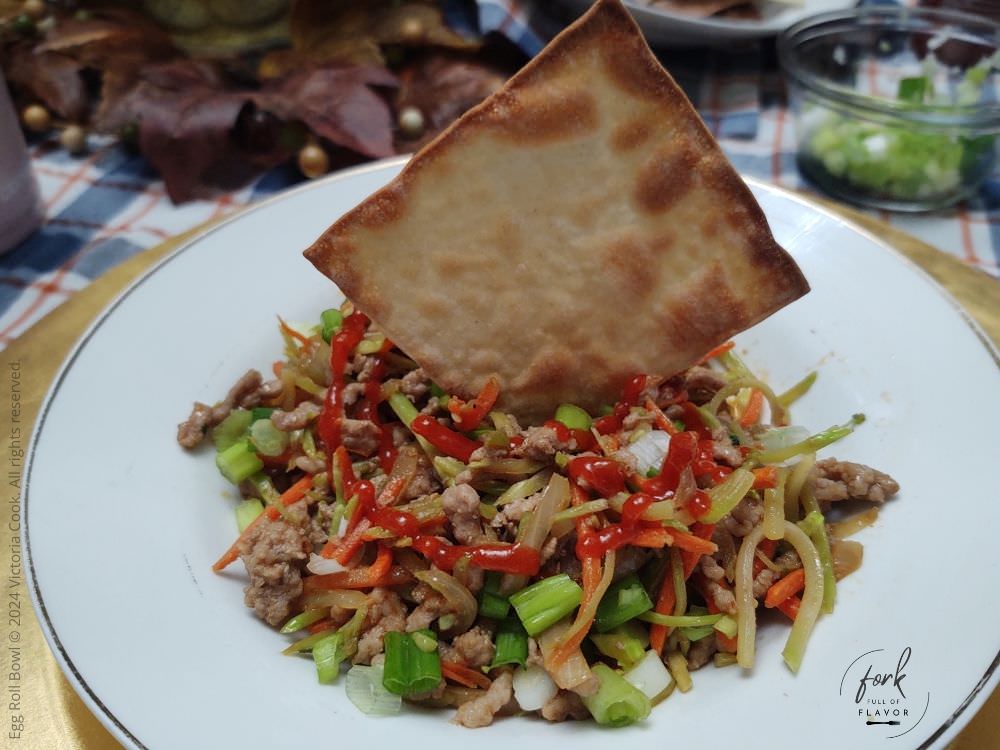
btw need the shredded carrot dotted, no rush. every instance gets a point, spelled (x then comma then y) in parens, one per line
(468, 415)
(725, 643)
(463, 675)
(653, 538)
(661, 419)
(320, 625)
(692, 543)
(755, 407)
(292, 495)
(690, 559)
(717, 351)
(344, 549)
(766, 548)
(305, 341)
(664, 606)
(355, 578)
(785, 587)
(790, 607)
(765, 478)
(276, 368)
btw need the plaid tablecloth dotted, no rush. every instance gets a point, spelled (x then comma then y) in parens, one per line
(106, 206)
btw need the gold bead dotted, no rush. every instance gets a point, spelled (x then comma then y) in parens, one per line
(34, 9)
(412, 30)
(36, 118)
(411, 122)
(313, 161)
(74, 139)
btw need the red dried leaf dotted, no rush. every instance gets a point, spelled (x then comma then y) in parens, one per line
(50, 78)
(337, 104)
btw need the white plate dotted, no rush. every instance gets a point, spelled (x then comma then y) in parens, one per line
(122, 526)
(663, 27)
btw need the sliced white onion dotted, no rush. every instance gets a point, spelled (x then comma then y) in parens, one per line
(649, 675)
(649, 451)
(318, 565)
(365, 690)
(533, 687)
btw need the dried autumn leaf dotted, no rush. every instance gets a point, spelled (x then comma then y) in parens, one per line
(117, 37)
(50, 78)
(443, 86)
(353, 32)
(337, 104)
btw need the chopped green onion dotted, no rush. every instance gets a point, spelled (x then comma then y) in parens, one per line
(303, 620)
(365, 690)
(331, 320)
(617, 703)
(261, 412)
(622, 647)
(425, 640)
(798, 390)
(491, 603)
(370, 345)
(681, 621)
(265, 488)
(546, 602)
(914, 90)
(623, 601)
(584, 509)
(573, 417)
(726, 496)
(507, 467)
(810, 444)
(349, 632)
(328, 654)
(268, 439)
(238, 461)
(511, 644)
(447, 622)
(727, 626)
(696, 634)
(408, 670)
(437, 391)
(232, 429)
(403, 407)
(247, 511)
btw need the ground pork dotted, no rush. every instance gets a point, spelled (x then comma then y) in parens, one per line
(430, 606)
(744, 517)
(701, 652)
(319, 523)
(629, 559)
(461, 505)
(362, 367)
(273, 553)
(540, 444)
(245, 394)
(415, 384)
(844, 480)
(424, 481)
(721, 597)
(480, 712)
(512, 512)
(565, 705)
(763, 582)
(786, 562)
(296, 419)
(670, 391)
(350, 393)
(360, 436)
(474, 648)
(723, 450)
(702, 383)
(711, 569)
(310, 465)
(386, 613)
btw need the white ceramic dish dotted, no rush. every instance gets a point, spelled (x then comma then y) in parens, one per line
(122, 526)
(663, 27)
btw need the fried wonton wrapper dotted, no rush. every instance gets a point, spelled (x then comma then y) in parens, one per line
(578, 227)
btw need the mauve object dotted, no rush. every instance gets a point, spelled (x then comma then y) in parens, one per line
(20, 208)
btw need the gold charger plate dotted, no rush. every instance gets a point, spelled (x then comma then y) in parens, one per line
(41, 701)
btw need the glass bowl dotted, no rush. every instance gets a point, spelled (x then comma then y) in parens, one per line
(895, 108)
